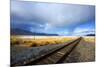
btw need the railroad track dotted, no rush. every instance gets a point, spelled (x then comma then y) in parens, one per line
(55, 56)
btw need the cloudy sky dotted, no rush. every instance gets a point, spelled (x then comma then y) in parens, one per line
(53, 18)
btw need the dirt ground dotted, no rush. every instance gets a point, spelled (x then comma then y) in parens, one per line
(84, 52)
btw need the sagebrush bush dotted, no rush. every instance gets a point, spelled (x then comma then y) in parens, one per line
(33, 45)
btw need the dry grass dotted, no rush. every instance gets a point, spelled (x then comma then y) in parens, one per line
(39, 41)
(89, 39)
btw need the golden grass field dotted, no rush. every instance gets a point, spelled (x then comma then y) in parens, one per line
(39, 41)
(44, 40)
(89, 39)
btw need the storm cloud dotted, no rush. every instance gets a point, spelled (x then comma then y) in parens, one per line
(51, 17)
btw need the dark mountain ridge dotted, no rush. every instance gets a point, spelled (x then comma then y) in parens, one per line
(90, 35)
(26, 32)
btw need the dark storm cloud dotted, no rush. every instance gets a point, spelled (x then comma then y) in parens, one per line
(50, 17)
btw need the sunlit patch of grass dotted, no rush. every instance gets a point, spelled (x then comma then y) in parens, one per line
(39, 41)
(90, 39)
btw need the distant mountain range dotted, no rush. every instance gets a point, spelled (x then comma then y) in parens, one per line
(17, 31)
(26, 32)
(90, 35)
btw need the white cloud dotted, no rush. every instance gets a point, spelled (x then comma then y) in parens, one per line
(83, 31)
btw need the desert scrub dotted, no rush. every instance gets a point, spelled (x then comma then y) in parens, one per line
(33, 45)
(90, 39)
(15, 41)
(39, 41)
